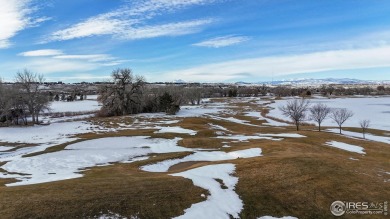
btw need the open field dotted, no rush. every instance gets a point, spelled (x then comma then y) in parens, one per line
(223, 159)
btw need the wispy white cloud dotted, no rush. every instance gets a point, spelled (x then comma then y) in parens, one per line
(45, 65)
(80, 77)
(171, 29)
(59, 54)
(223, 41)
(129, 22)
(41, 52)
(99, 25)
(146, 9)
(90, 58)
(54, 61)
(15, 16)
(114, 63)
(285, 65)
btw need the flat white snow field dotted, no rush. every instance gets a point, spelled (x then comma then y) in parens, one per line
(345, 146)
(221, 203)
(376, 109)
(66, 164)
(74, 106)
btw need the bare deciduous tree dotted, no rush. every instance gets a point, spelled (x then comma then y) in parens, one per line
(28, 82)
(318, 113)
(124, 95)
(340, 116)
(296, 110)
(263, 89)
(193, 95)
(364, 124)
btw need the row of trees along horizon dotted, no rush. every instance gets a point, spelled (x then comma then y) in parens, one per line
(23, 101)
(127, 94)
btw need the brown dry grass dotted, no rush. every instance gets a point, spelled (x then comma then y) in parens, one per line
(300, 177)
(118, 188)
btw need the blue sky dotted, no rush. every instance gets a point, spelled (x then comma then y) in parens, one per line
(196, 40)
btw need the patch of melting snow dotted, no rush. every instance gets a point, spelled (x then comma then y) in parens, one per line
(112, 215)
(351, 158)
(43, 136)
(6, 148)
(245, 138)
(221, 203)
(49, 120)
(234, 120)
(66, 164)
(220, 133)
(345, 146)
(359, 136)
(285, 135)
(187, 111)
(254, 114)
(174, 129)
(164, 166)
(218, 127)
(242, 138)
(271, 122)
(265, 102)
(270, 217)
(11, 155)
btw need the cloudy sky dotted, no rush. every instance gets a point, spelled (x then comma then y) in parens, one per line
(196, 40)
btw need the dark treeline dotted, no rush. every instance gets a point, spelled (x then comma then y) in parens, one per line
(23, 101)
(128, 94)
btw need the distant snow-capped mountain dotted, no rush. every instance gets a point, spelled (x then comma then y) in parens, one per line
(179, 81)
(311, 81)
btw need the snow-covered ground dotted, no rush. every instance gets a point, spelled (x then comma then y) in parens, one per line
(67, 164)
(222, 202)
(218, 127)
(40, 134)
(376, 109)
(270, 122)
(164, 166)
(44, 136)
(345, 146)
(370, 137)
(234, 120)
(188, 111)
(175, 129)
(218, 179)
(270, 217)
(74, 106)
(6, 148)
(273, 137)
